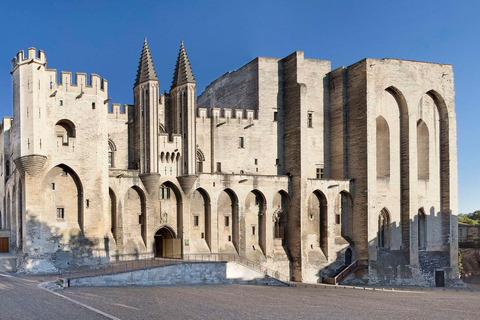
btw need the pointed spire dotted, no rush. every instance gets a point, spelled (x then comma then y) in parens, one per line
(146, 69)
(183, 72)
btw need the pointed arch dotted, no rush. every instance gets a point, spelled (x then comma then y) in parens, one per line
(257, 204)
(135, 209)
(318, 215)
(201, 221)
(200, 160)
(65, 130)
(383, 234)
(422, 229)
(112, 148)
(177, 205)
(404, 167)
(444, 162)
(64, 182)
(113, 213)
(423, 150)
(227, 208)
(346, 214)
(383, 148)
(281, 205)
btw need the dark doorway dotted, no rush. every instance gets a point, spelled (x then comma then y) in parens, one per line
(348, 257)
(440, 278)
(166, 245)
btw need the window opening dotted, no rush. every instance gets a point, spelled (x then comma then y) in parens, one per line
(196, 221)
(61, 213)
(310, 120)
(164, 192)
(227, 221)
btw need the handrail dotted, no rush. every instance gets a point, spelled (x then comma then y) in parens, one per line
(173, 259)
(342, 274)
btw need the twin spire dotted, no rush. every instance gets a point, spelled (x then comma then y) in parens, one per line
(183, 72)
(146, 70)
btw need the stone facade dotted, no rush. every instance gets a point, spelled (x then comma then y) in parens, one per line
(296, 167)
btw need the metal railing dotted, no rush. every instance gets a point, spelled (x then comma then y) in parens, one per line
(122, 266)
(362, 263)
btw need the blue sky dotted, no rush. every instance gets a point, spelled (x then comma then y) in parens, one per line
(105, 37)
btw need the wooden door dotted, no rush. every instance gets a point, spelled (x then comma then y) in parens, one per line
(4, 245)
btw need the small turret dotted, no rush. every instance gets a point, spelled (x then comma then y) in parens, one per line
(146, 99)
(182, 112)
(183, 72)
(146, 69)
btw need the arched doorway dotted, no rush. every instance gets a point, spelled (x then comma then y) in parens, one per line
(164, 244)
(348, 257)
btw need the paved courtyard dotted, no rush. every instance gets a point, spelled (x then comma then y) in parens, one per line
(22, 299)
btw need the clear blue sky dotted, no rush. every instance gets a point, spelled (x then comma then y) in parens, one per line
(106, 37)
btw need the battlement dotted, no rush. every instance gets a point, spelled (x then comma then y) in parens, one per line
(97, 86)
(222, 114)
(33, 56)
(116, 111)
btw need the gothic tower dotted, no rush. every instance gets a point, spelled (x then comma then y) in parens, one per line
(146, 120)
(182, 113)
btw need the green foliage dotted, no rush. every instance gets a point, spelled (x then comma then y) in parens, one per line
(470, 218)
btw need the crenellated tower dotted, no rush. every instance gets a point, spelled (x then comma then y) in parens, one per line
(29, 108)
(182, 112)
(145, 118)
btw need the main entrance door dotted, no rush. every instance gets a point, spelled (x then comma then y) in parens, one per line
(166, 245)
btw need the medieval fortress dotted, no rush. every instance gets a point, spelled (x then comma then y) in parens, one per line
(285, 162)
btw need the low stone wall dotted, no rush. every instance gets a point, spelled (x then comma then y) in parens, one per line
(186, 273)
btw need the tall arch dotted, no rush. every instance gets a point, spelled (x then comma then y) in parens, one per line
(444, 162)
(65, 188)
(135, 211)
(200, 160)
(113, 213)
(423, 150)
(318, 215)
(172, 204)
(346, 215)
(404, 168)
(227, 209)
(383, 234)
(201, 220)
(422, 229)
(383, 148)
(281, 205)
(255, 210)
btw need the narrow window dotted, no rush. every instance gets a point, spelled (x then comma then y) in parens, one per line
(93, 105)
(227, 221)
(140, 219)
(219, 167)
(229, 238)
(61, 102)
(310, 120)
(61, 213)
(195, 221)
(256, 161)
(203, 235)
(277, 162)
(337, 219)
(275, 116)
(7, 168)
(241, 142)
(110, 159)
(253, 230)
(53, 186)
(164, 193)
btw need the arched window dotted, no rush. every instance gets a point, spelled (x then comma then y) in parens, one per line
(383, 148)
(200, 160)
(384, 229)
(422, 230)
(7, 168)
(111, 153)
(423, 154)
(64, 131)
